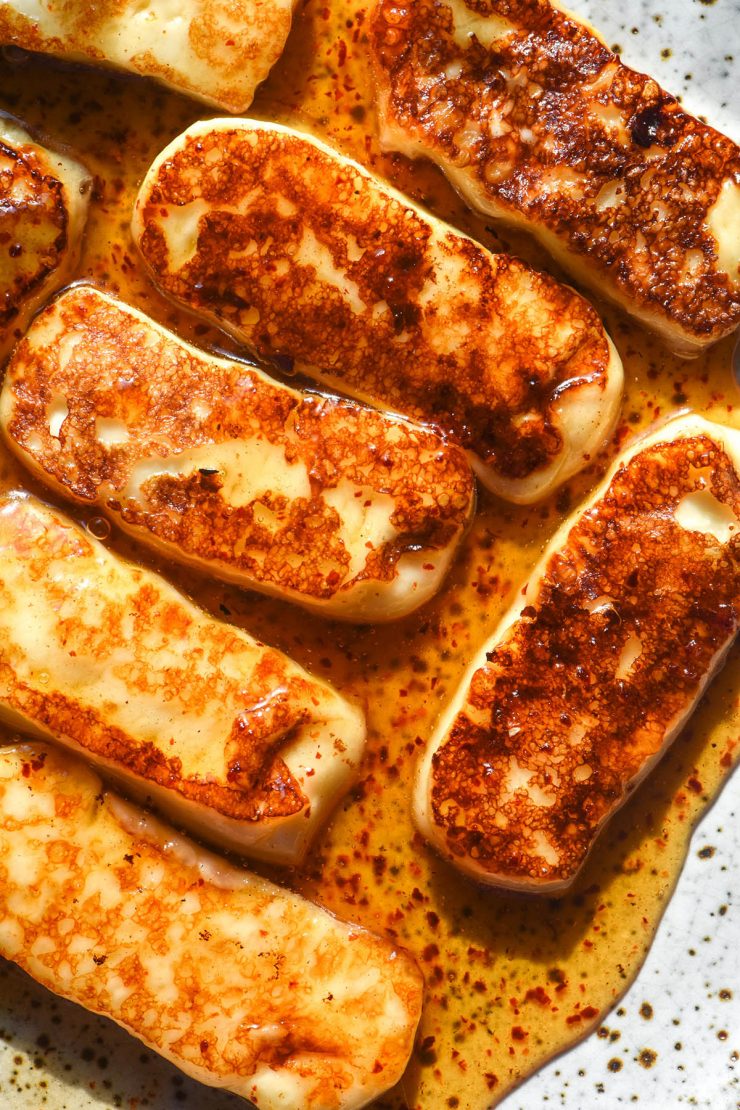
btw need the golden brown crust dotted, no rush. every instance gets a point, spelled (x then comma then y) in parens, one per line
(579, 695)
(224, 732)
(546, 125)
(302, 255)
(241, 984)
(34, 225)
(108, 365)
(218, 52)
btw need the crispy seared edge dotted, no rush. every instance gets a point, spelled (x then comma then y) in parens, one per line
(681, 427)
(270, 795)
(409, 571)
(685, 329)
(223, 973)
(68, 185)
(581, 434)
(228, 87)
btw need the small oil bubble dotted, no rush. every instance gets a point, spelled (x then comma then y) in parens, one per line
(99, 527)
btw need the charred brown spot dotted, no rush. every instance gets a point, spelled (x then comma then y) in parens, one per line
(33, 228)
(548, 124)
(296, 543)
(358, 294)
(626, 622)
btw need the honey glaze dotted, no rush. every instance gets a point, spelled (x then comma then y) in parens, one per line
(510, 980)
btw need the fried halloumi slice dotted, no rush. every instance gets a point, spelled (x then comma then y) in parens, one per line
(536, 122)
(243, 985)
(595, 669)
(215, 50)
(351, 512)
(227, 736)
(44, 198)
(301, 254)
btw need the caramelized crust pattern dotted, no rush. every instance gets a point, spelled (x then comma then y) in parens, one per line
(302, 255)
(243, 985)
(43, 204)
(322, 501)
(228, 735)
(536, 122)
(572, 702)
(215, 50)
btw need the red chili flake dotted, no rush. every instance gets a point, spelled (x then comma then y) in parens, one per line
(537, 994)
(491, 1080)
(589, 1012)
(377, 1066)
(695, 786)
(379, 865)
(573, 1019)
(430, 952)
(557, 975)
(519, 1034)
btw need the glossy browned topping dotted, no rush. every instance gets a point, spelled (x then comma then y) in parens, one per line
(242, 984)
(582, 690)
(547, 124)
(302, 254)
(108, 364)
(216, 51)
(254, 788)
(135, 637)
(33, 228)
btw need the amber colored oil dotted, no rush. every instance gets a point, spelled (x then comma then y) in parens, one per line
(511, 980)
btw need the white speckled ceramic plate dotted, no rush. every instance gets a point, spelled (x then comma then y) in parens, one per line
(682, 1015)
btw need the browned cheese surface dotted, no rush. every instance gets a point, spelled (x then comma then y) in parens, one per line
(34, 221)
(229, 976)
(168, 401)
(510, 981)
(546, 124)
(303, 256)
(579, 695)
(125, 667)
(215, 50)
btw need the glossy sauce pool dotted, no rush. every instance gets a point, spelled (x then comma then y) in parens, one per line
(511, 980)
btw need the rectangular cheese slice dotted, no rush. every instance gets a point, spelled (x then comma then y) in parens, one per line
(596, 667)
(215, 51)
(241, 984)
(348, 511)
(44, 198)
(537, 123)
(227, 736)
(304, 256)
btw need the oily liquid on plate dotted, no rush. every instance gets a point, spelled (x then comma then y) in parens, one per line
(510, 980)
